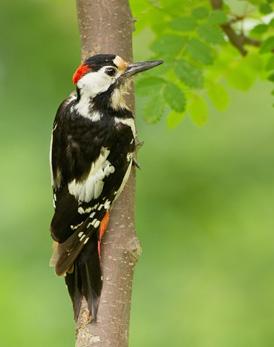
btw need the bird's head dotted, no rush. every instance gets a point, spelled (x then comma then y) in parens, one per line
(107, 73)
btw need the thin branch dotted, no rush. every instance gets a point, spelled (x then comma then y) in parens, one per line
(239, 41)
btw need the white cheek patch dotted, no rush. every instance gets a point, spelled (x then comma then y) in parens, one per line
(94, 83)
(92, 187)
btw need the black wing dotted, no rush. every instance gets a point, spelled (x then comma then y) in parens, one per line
(90, 163)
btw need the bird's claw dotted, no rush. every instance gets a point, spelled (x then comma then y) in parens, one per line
(135, 163)
(138, 144)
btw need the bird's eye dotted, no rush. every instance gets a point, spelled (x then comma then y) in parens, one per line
(111, 71)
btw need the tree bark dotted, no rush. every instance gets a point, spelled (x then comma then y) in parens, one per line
(106, 27)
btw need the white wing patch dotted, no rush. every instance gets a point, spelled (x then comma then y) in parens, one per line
(92, 186)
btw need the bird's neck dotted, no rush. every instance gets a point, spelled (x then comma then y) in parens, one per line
(111, 101)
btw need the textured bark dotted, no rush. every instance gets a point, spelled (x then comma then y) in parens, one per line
(106, 27)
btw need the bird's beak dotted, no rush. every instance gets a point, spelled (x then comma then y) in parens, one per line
(134, 68)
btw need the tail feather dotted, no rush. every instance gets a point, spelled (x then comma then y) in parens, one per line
(65, 253)
(85, 279)
(72, 281)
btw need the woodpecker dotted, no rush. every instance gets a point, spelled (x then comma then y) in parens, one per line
(92, 151)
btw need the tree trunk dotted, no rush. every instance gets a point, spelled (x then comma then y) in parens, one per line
(106, 27)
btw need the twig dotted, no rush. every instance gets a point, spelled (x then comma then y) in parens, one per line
(237, 40)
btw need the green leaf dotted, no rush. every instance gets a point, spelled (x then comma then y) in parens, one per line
(198, 110)
(149, 83)
(217, 17)
(218, 96)
(151, 108)
(200, 52)
(183, 24)
(174, 119)
(175, 97)
(265, 8)
(270, 64)
(168, 45)
(189, 74)
(154, 110)
(268, 45)
(150, 103)
(259, 29)
(200, 12)
(211, 33)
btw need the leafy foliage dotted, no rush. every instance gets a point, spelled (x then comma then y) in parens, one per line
(201, 61)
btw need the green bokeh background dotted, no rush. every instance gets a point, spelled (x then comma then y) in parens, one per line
(204, 204)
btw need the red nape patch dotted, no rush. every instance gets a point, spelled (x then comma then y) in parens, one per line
(80, 72)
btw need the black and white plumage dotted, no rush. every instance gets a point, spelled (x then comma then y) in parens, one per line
(92, 149)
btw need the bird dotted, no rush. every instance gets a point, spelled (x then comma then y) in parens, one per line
(91, 155)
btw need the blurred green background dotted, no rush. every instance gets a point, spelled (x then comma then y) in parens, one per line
(204, 204)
